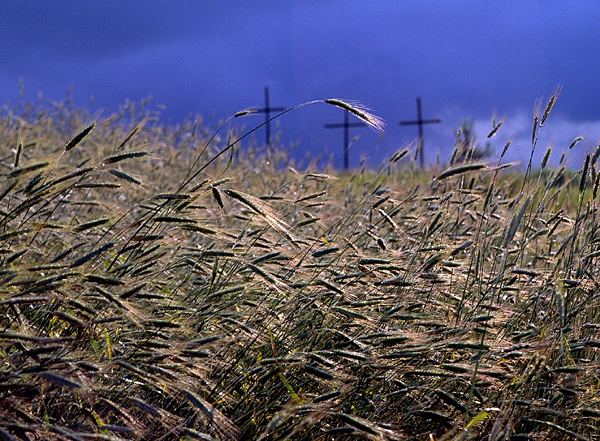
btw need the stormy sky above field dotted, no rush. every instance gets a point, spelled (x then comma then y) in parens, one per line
(468, 60)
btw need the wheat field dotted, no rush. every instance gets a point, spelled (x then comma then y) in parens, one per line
(162, 283)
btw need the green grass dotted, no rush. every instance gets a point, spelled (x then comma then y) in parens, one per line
(158, 284)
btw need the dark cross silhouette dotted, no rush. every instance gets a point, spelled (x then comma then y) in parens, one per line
(267, 111)
(346, 125)
(420, 121)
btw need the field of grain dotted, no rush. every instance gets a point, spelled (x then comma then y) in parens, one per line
(160, 283)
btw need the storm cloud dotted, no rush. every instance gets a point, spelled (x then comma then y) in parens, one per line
(467, 60)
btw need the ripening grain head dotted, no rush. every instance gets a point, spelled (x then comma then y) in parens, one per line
(364, 113)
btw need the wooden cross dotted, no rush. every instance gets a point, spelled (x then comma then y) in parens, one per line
(420, 121)
(346, 125)
(267, 111)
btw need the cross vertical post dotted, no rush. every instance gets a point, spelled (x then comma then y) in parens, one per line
(420, 122)
(267, 111)
(345, 125)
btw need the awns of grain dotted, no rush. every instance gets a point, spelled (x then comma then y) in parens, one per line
(91, 224)
(18, 171)
(372, 121)
(124, 156)
(404, 305)
(125, 176)
(461, 169)
(79, 137)
(219, 422)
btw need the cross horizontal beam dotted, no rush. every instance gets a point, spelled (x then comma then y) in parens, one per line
(423, 121)
(267, 111)
(345, 125)
(420, 122)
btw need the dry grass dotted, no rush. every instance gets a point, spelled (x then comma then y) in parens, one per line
(155, 285)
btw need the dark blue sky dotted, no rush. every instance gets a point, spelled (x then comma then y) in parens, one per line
(466, 59)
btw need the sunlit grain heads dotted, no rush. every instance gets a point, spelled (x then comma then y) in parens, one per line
(125, 176)
(326, 251)
(98, 185)
(584, 173)
(320, 177)
(558, 177)
(91, 224)
(461, 248)
(546, 158)
(91, 255)
(536, 121)
(319, 372)
(124, 156)
(550, 104)
(146, 407)
(366, 426)
(18, 155)
(74, 174)
(310, 196)
(131, 135)
(399, 155)
(515, 222)
(217, 196)
(210, 319)
(72, 320)
(131, 291)
(79, 137)
(505, 148)
(14, 256)
(14, 234)
(361, 112)
(245, 112)
(575, 141)
(262, 209)
(215, 418)
(172, 196)
(496, 126)
(199, 185)
(308, 221)
(16, 172)
(100, 279)
(461, 169)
